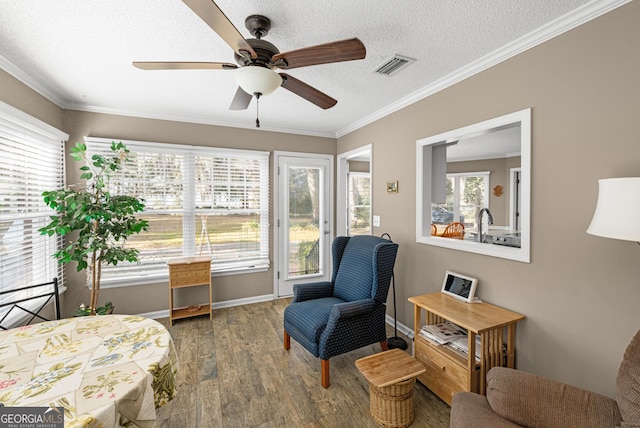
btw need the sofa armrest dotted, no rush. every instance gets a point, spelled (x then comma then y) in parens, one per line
(530, 400)
(315, 290)
(470, 410)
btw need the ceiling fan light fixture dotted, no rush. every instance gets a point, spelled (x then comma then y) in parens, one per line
(257, 80)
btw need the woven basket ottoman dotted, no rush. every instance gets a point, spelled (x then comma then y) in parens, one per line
(392, 377)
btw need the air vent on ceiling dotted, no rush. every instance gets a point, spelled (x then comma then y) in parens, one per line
(394, 65)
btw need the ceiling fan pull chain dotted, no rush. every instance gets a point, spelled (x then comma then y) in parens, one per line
(257, 94)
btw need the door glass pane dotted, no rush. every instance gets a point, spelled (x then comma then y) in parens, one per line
(304, 221)
(359, 204)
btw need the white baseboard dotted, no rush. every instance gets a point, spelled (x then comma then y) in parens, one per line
(401, 327)
(216, 305)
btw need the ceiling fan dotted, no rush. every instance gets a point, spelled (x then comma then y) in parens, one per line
(257, 58)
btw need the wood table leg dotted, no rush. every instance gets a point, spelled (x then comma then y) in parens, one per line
(511, 346)
(287, 340)
(324, 369)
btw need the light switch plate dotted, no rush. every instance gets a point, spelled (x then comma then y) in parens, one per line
(376, 221)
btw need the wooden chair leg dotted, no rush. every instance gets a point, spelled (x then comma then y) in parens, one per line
(383, 345)
(287, 340)
(324, 369)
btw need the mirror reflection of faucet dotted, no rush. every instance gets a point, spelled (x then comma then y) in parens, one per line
(481, 236)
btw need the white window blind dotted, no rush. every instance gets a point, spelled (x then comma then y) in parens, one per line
(31, 162)
(199, 201)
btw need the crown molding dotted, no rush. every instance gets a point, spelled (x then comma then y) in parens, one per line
(42, 88)
(547, 32)
(197, 120)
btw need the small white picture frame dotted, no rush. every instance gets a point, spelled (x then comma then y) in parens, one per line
(459, 286)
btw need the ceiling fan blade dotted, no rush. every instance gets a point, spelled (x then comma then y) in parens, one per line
(149, 65)
(240, 100)
(307, 92)
(211, 14)
(344, 50)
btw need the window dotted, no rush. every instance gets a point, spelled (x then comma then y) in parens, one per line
(32, 162)
(359, 203)
(466, 194)
(199, 201)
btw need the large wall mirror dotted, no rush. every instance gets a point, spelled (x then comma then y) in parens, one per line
(473, 188)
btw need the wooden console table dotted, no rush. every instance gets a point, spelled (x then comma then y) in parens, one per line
(448, 371)
(189, 272)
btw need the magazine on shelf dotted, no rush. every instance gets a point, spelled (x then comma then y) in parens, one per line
(463, 354)
(443, 332)
(452, 336)
(462, 345)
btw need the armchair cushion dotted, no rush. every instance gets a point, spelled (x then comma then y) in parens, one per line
(534, 401)
(305, 321)
(356, 269)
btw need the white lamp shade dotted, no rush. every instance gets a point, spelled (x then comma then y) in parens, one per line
(617, 213)
(255, 79)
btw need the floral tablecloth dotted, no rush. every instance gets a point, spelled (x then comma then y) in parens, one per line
(104, 371)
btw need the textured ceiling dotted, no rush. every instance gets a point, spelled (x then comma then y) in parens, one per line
(78, 53)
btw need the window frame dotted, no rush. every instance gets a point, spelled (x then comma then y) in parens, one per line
(189, 211)
(457, 200)
(521, 118)
(20, 130)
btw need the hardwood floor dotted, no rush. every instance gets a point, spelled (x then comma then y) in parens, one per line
(234, 372)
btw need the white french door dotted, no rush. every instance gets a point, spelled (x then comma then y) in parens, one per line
(303, 219)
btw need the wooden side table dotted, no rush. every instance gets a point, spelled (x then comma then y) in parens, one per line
(392, 377)
(189, 272)
(448, 371)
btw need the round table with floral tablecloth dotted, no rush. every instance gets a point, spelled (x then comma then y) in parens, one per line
(101, 370)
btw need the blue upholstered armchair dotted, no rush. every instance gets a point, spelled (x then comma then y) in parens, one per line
(331, 318)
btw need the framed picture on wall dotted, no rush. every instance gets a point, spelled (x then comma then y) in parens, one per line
(392, 187)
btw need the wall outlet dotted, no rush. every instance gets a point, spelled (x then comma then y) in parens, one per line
(376, 221)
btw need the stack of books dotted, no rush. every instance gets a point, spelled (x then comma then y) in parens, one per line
(451, 335)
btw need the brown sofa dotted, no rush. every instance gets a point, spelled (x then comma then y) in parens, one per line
(516, 398)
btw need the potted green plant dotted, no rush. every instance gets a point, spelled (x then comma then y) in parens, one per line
(103, 221)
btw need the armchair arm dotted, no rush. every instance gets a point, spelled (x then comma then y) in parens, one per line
(315, 290)
(348, 310)
(530, 400)
(352, 325)
(471, 410)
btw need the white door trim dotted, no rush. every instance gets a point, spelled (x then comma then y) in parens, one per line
(341, 185)
(277, 215)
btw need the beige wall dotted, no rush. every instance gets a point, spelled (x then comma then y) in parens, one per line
(358, 166)
(29, 101)
(580, 293)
